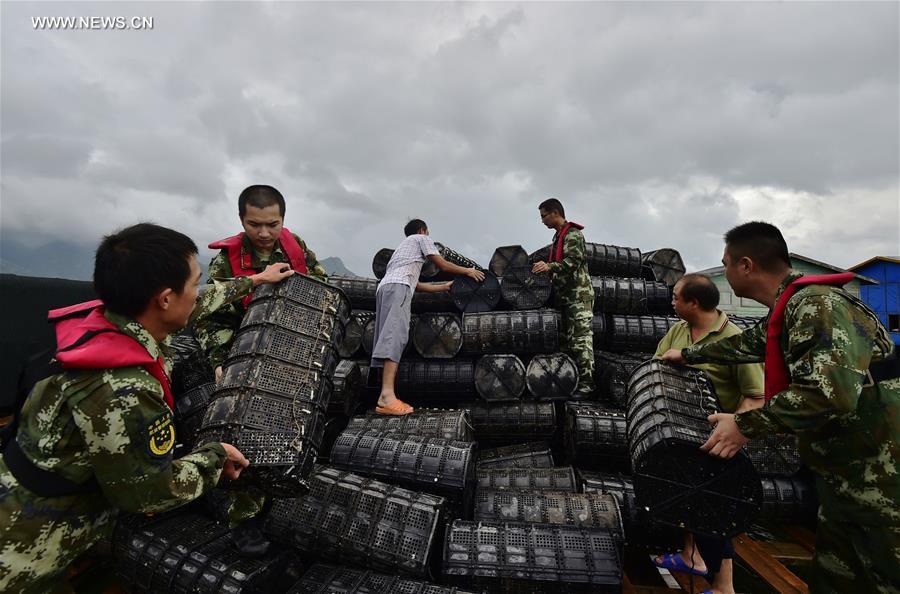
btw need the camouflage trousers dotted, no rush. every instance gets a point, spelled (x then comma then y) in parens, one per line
(852, 557)
(577, 339)
(41, 536)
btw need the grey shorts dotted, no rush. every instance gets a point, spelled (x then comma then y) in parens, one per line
(392, 313)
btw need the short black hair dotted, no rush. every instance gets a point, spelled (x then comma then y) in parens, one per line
(414, 226)
(761, 242)
(134, 264)
(260, 196)
(700, 288)
(553, 205)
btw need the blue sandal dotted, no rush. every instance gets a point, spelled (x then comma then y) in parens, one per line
(674, 562)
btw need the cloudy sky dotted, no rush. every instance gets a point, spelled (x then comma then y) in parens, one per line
(657, 125)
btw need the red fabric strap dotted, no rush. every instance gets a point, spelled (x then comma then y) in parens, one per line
(777, 376)
(557, 248)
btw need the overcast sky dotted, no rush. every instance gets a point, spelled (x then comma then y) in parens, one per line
(657, 125)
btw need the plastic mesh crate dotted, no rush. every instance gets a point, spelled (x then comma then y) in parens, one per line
(520, 421)
(190, 407)
(595, 510)
(788, 499)
(551, 377)
(190, 367)
(595, 436)
(665, 264)
(560, 478)
(612, 260)
(677, 483)
(523, 455)
(437, 335)
(636, 333)
(352, 519)
(499, 378)
(523, 289)
(347, 383)
(442, 466)
(300, 291)
(360, 291)
(472, 296)
(436, 302)
(612, 372)
(446, 424)
(744, 322)
(331, 579)
(283, 345)
(354, 333)
(508, 256)
(541, 552)
(775, 454)
(517, 332)
(633, 296)
(432, 380)
(598, 329)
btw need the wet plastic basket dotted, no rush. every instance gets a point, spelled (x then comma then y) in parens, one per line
(523, 455)
(360, 291)
(446, 424)
(347, 383)
(518, 332)
(593, 510)
(190, 407)
(500, 378)
(361, 521)
(513, 423)
(551, 376)
(612, 371)
(788, 499)
(634, 296)
(471, 296)
(560, 478)
(676, 482)
(430, 381)
(506, 257)
(666, 265)
(636, 333)
(775, 455)
(331, 579)
(523, 289)
(596, 437)
(354, 333)
(437, 335)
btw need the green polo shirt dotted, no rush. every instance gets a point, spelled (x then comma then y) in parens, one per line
(731, 381)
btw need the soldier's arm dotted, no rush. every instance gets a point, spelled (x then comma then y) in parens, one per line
(573, 254)
(215, 326)
(129, 435)
(826, 360)
(313, 267)
(747, 347)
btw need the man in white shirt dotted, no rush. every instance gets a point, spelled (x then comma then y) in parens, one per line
(392, 306)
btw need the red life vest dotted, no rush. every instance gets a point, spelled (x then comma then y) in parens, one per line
(556, 250)
(241, 260)
(777, 376)
(85, 339)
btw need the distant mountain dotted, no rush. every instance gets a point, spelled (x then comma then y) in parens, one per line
(335, 265)
(58, 259)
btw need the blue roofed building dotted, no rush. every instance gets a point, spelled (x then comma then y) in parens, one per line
(883, 298)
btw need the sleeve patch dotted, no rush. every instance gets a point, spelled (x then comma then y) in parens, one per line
(161, 436)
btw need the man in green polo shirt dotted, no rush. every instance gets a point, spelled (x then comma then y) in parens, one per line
(739, 387)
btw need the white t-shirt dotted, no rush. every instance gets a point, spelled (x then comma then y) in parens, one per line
(406, 264)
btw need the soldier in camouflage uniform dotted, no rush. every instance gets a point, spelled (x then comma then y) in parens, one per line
(107, 434)
(839, 393)
(568, 269)
(264, 241)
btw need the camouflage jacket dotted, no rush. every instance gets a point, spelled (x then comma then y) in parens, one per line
(848, 433)
(571, 279)
(216, 332)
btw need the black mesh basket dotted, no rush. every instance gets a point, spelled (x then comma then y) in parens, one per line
(598, 329)
(560, 478)
(500, 378)
(431, 381)
(523, 289)
(437, 302)
(446, 424)
(775, 454)
(559, 557)
(511, 332)
(354, 332)
(744, 322)
(633, 296)
(431, 464)
(612, 260)
(437, 335)
(596, 437)
(612, 371)
(190, 368)
(522, 455)
(551, 377)
(665, 264)
(455, 257)
(512, 423)
(368, 341)
(360, 291)
(539, 255)
(190, 406)
(347, 384)
(788, 500)
(356, 520)
(676, 483)
(506, 257)
(331, 579)
(636, 333)
(591, 510)
(472, 296)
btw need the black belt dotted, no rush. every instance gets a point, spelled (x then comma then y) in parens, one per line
(44, 483)
(885, 369)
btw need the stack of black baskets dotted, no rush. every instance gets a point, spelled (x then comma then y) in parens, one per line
(499, 482)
